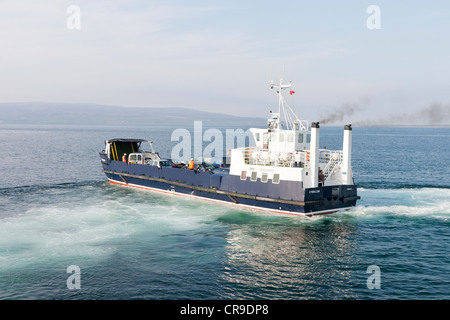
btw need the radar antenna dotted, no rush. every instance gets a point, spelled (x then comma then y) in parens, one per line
(284, 110)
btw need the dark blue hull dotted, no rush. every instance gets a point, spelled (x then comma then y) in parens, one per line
(286, 197)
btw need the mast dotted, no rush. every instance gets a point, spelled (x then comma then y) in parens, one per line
(291, 119)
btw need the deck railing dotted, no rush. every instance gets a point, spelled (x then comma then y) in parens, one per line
(332, 158)
(264, 157)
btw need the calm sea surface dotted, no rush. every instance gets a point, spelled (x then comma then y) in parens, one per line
(57, 210)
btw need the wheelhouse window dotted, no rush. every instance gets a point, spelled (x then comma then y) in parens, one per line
(300, 138)
(290, 137)
(165, 163)
(308, 138)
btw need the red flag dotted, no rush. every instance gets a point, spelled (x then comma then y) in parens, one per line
(292, 92)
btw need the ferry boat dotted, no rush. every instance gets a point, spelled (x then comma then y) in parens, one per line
(284, 172)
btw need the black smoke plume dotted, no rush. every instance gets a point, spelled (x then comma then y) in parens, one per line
(340, 113)
(434, 114)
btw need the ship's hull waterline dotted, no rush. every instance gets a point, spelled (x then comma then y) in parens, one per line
(226, 189)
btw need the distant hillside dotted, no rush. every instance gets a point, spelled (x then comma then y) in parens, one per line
(95, 114)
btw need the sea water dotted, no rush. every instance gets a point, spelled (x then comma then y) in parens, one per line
(58, 211)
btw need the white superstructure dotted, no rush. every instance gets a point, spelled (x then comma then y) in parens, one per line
(288, 149)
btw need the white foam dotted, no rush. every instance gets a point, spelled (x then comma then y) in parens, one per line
(93, 229)
(422, 202)
(53, 232)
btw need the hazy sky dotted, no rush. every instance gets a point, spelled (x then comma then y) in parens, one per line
(220, 56)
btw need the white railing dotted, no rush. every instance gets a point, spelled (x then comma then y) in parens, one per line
(265, 157)
(332, 158)
(326, 155)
